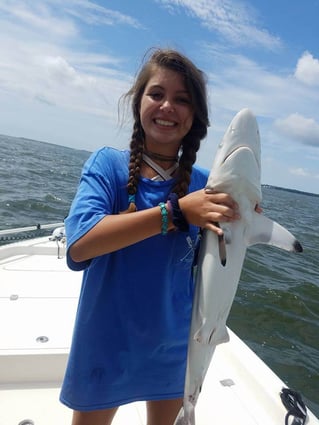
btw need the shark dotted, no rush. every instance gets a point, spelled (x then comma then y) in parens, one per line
(236, 170)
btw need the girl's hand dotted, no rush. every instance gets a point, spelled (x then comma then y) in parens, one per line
(205, 209)
(258, 209)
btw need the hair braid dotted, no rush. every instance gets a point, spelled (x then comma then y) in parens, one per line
(190, 147)
(136, 157)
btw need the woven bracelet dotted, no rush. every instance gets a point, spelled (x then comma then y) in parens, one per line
(164, 214)
(179, 220)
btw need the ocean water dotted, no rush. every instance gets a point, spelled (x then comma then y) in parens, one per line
(276, 309)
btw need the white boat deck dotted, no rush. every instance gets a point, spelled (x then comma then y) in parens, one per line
(38, 299)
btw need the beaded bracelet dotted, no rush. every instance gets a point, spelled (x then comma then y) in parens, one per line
(179, 220)
(164, 214)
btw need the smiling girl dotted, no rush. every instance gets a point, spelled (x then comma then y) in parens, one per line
(133, 228)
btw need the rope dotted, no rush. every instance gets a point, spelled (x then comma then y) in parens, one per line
(295, 406)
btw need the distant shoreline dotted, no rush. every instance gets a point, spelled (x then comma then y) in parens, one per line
(290, 190)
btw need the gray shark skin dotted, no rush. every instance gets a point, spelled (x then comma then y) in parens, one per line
(236, 170)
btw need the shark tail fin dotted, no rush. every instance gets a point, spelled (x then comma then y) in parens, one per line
(186, 416)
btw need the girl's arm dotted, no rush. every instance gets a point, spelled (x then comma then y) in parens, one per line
(114, 232)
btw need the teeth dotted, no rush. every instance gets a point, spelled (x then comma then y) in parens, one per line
(165, 123)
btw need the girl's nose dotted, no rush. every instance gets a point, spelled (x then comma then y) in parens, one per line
(167, 105)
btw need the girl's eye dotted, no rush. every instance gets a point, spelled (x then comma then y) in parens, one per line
(155, 95)
(158, 96)
(183, 100)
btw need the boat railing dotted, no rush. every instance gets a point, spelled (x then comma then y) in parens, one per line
(21, 233)
(17, 241)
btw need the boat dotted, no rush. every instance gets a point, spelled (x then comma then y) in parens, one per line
(38, 296)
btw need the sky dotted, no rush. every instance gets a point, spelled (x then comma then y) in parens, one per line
(65, 64)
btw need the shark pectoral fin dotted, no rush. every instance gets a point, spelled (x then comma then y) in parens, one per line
(209, 336)
(222, 250)
(219, 336)
(266, 231)
(221, 247)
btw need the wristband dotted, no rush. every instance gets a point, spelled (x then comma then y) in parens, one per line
(178, 218)
(164, 214)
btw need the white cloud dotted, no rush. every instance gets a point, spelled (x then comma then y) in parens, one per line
(53, 70)
(59, 70)
(307, 69)
(37, 17)
(232, 19)
(297, 127)
(94, 14)
(68, 85)
(63, 78)
(302, 172)
(299, 172)
(57, 16)
(237, 82)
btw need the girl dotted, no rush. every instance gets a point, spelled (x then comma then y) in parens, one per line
(131, 330)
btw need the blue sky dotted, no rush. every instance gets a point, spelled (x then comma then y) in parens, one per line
(64, 64)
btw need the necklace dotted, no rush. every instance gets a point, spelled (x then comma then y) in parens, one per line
(160, 157)
(161, 173)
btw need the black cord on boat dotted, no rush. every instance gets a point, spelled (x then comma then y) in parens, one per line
(22, 233)
(295, 406)
(15, 238)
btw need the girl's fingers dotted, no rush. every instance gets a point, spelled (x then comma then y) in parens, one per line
(214, 227)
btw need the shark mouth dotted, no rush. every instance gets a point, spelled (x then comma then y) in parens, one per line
(239, 148)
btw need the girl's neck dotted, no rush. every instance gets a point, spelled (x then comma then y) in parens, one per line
(158, 157)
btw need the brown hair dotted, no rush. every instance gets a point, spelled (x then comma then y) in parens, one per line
(195, 83)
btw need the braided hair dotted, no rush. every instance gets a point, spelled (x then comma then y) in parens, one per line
(195, 84)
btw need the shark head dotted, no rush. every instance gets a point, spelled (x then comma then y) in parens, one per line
(237, 161)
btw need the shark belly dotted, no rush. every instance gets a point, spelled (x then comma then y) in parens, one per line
(236, 170)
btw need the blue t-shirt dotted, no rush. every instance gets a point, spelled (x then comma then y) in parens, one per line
(132, 324)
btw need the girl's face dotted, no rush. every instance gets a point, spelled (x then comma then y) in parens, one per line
(166, 111)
